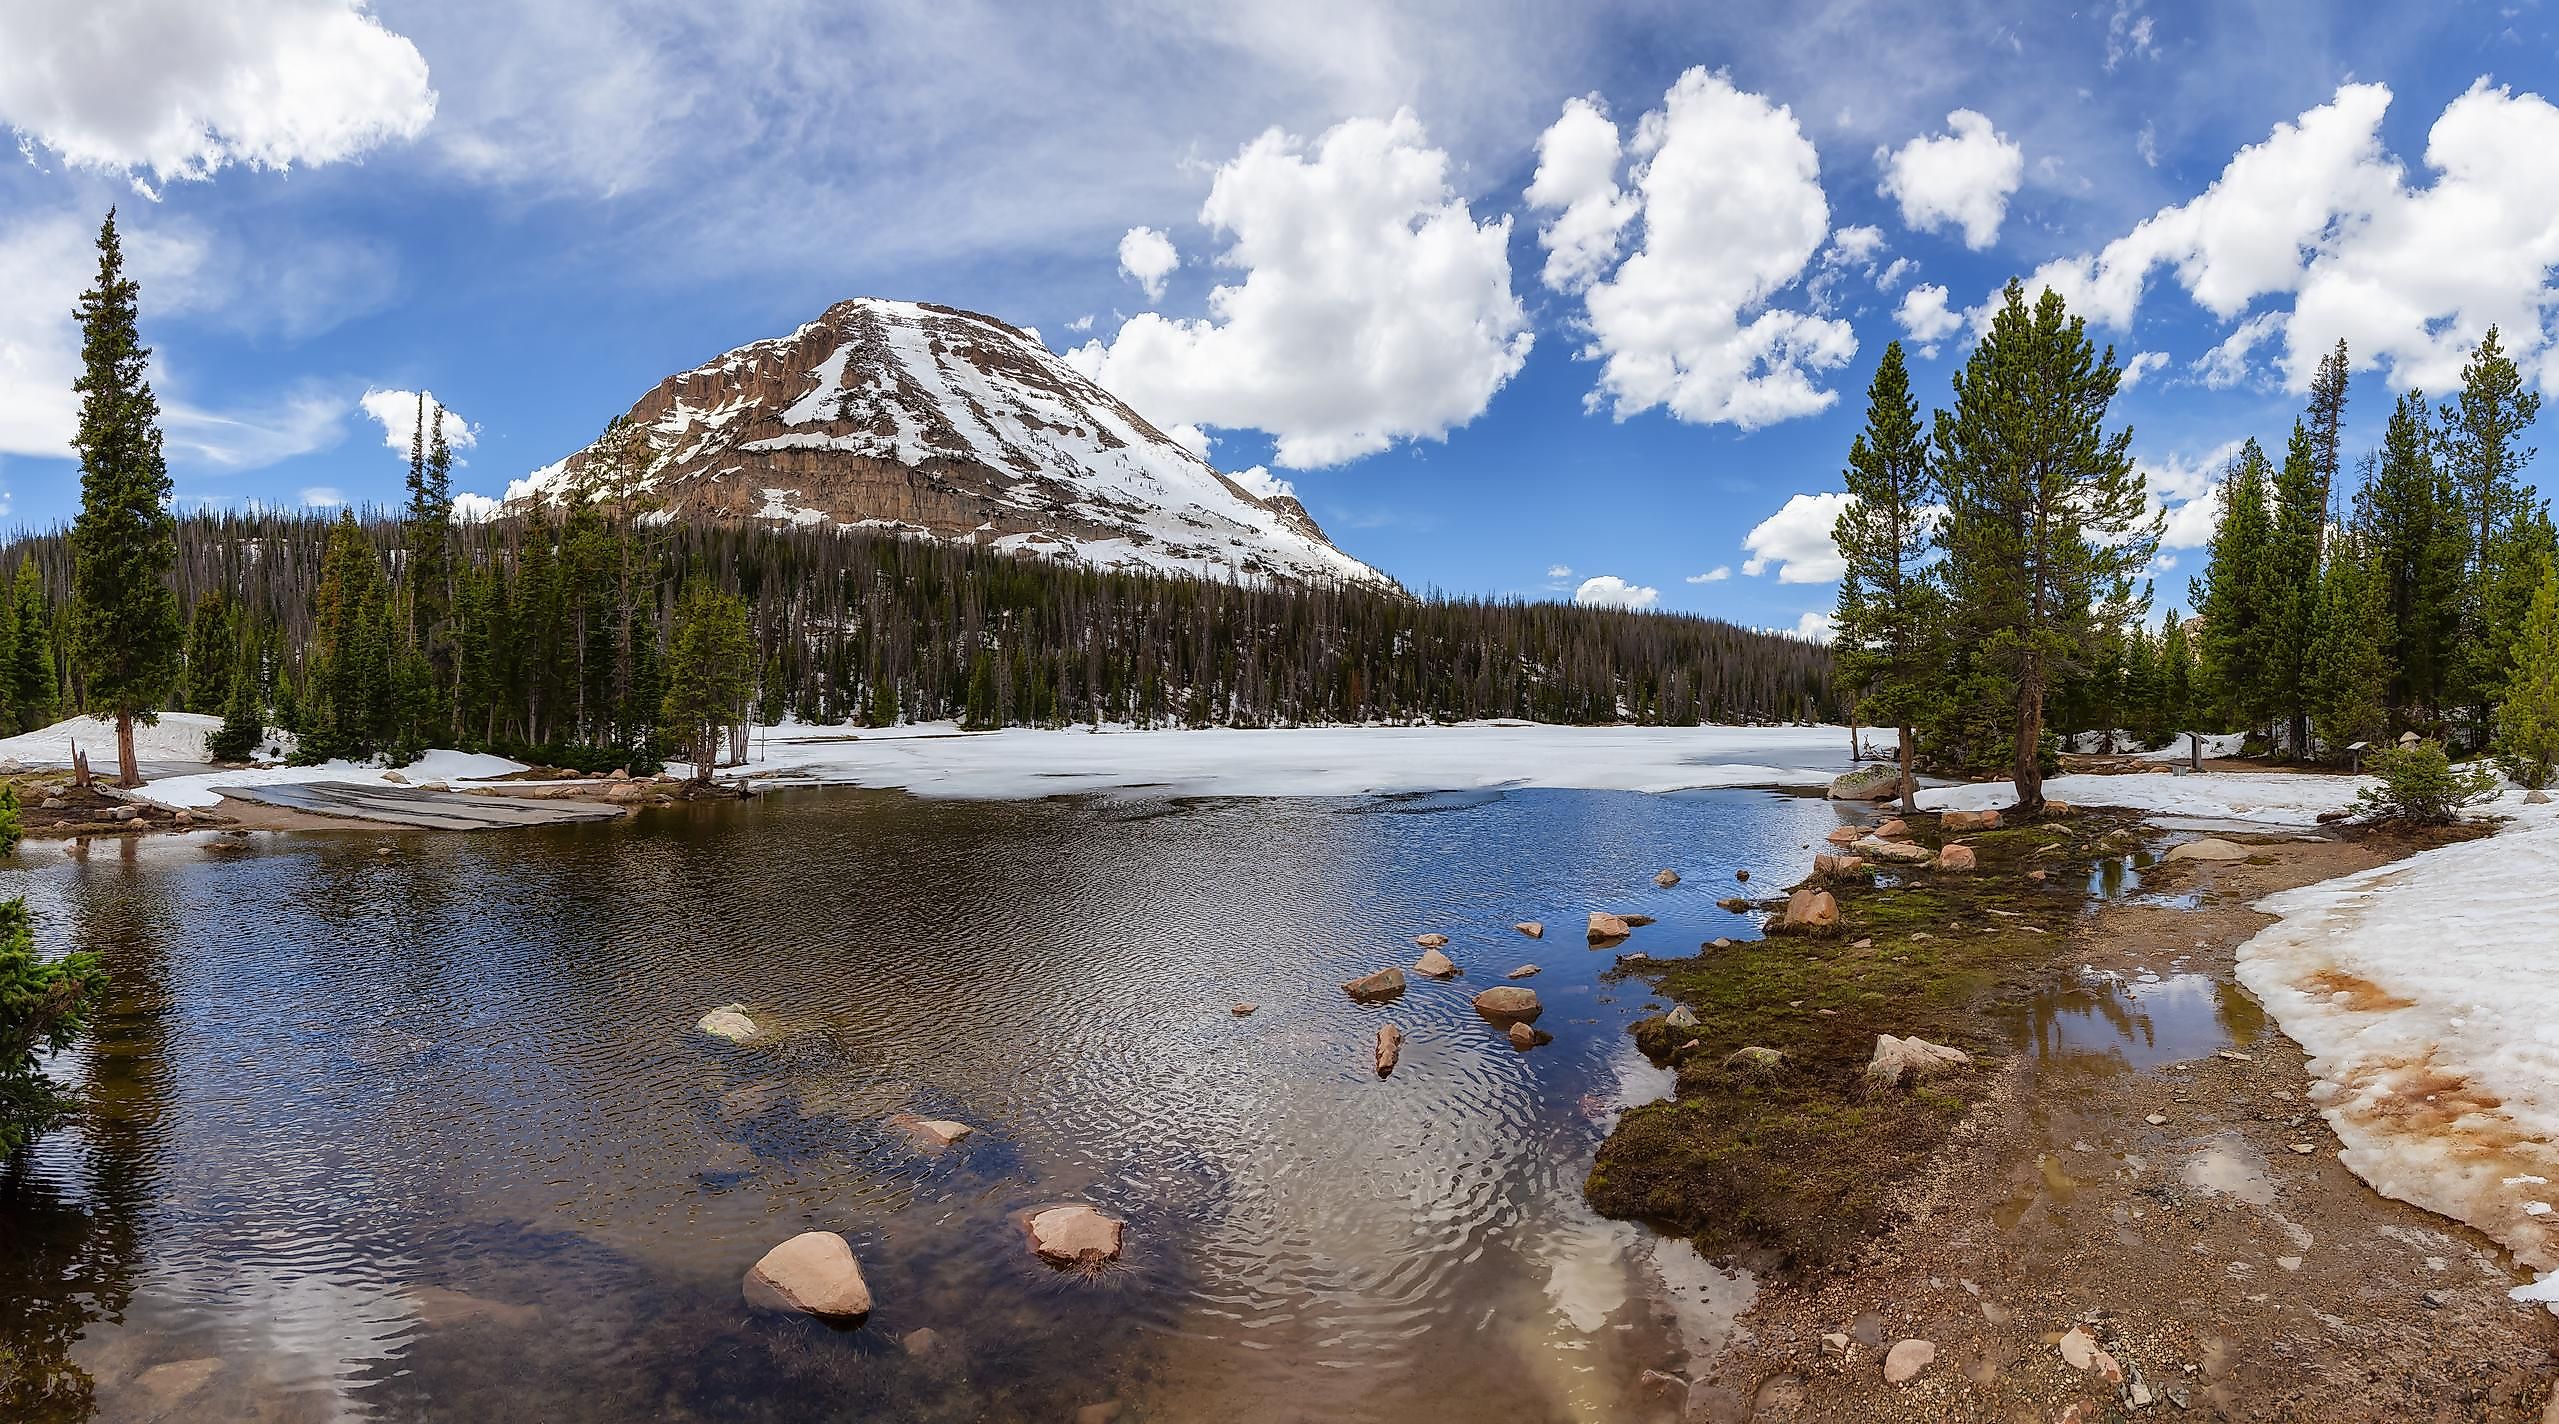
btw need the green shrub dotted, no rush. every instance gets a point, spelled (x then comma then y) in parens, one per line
(2420, 786)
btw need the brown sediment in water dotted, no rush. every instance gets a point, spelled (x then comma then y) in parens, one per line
(2147, 1167)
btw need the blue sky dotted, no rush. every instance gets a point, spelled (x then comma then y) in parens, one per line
(1508, 289)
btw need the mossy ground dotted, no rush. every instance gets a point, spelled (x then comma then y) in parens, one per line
(1799, 1166)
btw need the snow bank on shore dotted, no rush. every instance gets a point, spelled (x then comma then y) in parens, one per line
(2279, 798)
(2424, 994)
(205, 788)
(1304, 761)
(179, 736)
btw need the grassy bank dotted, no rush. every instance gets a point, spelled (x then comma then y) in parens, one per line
(1796, 1160)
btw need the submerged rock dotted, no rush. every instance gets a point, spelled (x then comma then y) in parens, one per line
(931, 1132)
(1431, 941)
(1384, 984)
(1666, 879)
(2207, 848)
(1735, 904)
(1435, 964)
(1390, 1048)
(813, 1273)
(1074, 1235)
(1534, 929)
(1866, 783)
(1522, 972)
(1636, 922)
(1916, 1057)
(1505, 1003)
(1604, 925)
(728, 1021)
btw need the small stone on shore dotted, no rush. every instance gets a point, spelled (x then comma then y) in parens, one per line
(2208, 848)
(1907, 1359)
(1244, 1011)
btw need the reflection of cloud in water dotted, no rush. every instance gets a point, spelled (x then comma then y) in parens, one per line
(1705, 1298)
(312, 1317)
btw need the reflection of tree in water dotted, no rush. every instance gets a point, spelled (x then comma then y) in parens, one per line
(71, 1208)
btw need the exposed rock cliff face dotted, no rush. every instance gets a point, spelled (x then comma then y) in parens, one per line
(912, 417)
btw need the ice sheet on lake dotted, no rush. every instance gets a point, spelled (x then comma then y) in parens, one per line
(2423, 993)
(938, 760)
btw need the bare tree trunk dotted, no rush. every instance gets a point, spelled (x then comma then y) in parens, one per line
(1909, 783)
(128, 769)
(80, 776)
(2030, 743)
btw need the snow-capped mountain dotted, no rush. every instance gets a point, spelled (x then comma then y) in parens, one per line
(916, 418)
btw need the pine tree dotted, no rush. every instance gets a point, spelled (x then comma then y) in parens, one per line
(2528, 719)
(2239, 630)
(35, 679)
(350, 665)
(1886, 644)
(2484, 457)
(2326, 422)
(2290, 594)
(2046, 521)
(2176, 677)
(428, 528)
(43, 1006)
(2408, 516)
(710, 666)
(244, 710)
(2346, 678)
(125, 632)
(210, 655)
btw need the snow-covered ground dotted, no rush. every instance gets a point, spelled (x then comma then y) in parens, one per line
(938, 760)
(2279, 798)
(2424, 993)
(203, 789)
(178, 736)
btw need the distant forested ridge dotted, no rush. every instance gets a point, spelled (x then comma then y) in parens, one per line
(545, 635)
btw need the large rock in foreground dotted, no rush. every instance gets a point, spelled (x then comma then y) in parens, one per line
(1509, 1004)
(1074, 1235)
(1880, 782)
(1915, 1057)
(2208, 848)
(1605, 926)
(729, 1021)
(1811, 911)
(813, 1273)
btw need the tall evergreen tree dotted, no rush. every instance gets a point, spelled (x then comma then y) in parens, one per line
(2291, 592)
(2484, 457)
(2240, 628)
(2345, 677)
(2326, 422)
(710, 671)
(125, 630)
(2528, 719)
(211, 652)
(35, 678)
(2046, 521)
(2409, 518)
(1886, 642)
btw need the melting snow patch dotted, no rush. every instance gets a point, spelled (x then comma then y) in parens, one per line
(2422, 993)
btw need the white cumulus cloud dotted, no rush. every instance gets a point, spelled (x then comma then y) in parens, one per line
(179, 88)
(323, 497)
(1925, 317)
(2139, 367)
(1373, 307)
(1576, 178)
(1147, 258)
(1797, 538)
(1610, 591)
(1717, 574)
(476, 508)
(1729, 192)
(1816, 627)
(1962, 178)
(397, 413)
(1260, 483)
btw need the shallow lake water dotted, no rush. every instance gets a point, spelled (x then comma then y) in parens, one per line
(431, 1135)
